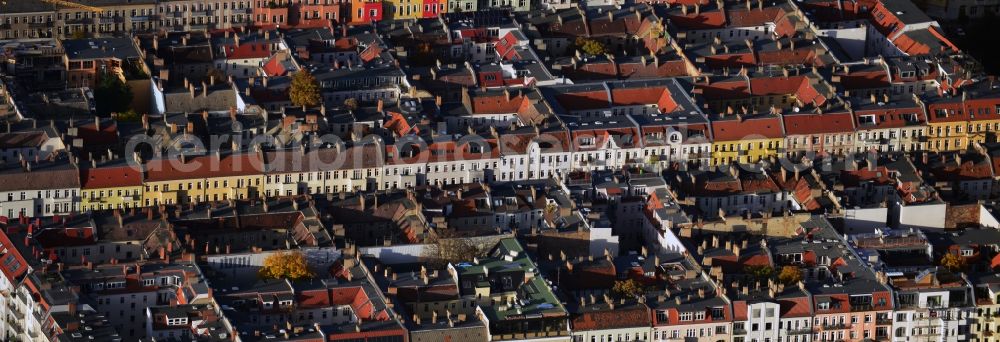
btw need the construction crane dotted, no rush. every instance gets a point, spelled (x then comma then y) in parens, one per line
(71, 4)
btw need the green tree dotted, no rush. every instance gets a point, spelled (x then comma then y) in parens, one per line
(304, 91)
(953, 262)
(351, 103)
(760, 272)
(128, 116)
(290, 265)
(627, 289)
(790, 275)
(590, 46)
(112, 95)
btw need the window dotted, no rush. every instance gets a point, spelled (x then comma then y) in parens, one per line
(686, 316)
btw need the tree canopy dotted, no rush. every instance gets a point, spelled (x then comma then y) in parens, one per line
(351, 103)
(590, 46)
(286, 265)
(304, 91)
(112, 95)
(627, 289)
(760, 272)
(447, 247)
(953, 262)
(790, 275)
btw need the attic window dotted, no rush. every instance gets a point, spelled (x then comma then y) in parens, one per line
(675, 137)
(866, 120)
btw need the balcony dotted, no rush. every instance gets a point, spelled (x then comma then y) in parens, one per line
(202, 27)
(112, 20)
(800, 331)
(177, 14)
(836, 326)
(739, 331)
(205, 13)
(861, 307)
(40, 25)
(80, 21)
(883, 321)
(530, 335)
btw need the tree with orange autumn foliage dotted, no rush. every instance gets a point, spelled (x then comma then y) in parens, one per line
(290, 265)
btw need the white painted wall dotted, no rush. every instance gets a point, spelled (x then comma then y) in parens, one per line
(922, 216)
(865, 220)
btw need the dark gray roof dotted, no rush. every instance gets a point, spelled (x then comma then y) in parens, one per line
(99, 48)
(906, 11)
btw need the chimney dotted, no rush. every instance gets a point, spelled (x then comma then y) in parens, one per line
(380, 105)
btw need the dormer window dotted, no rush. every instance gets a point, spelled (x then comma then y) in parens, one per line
(867, 120)
(824, 306)
(177, 321)
(966, 252)
(941, 113)
(675, 137)
(587, 141)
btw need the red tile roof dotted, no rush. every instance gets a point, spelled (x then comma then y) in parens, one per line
(751, 128)
(753, 17)
(586, 100)
(498, 103)
(700, 21)
(205, 166)
(865, 80)
(108, 177)
(10, 259)
(247, 51)
(619, 318)
(275, 67)
(804, 124)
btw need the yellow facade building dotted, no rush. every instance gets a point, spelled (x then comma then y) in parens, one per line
(110, 186)
(746, 140)
(202, 178)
